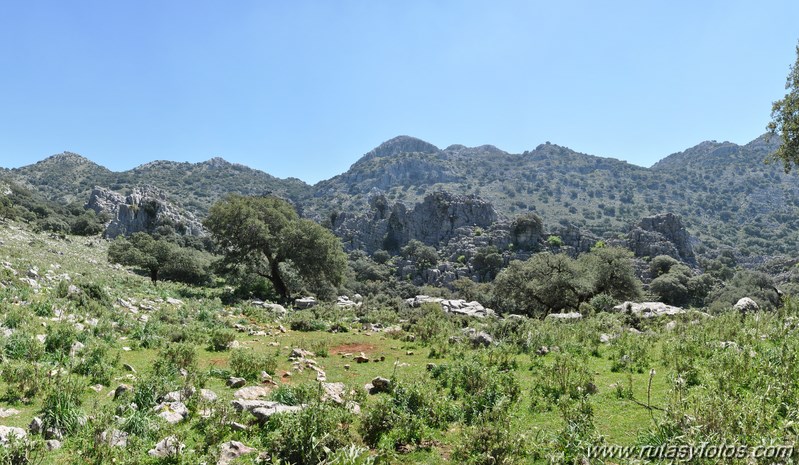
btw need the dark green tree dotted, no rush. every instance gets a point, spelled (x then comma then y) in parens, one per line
(543, 284)
(422, 256)
(785, 120)
(265, 236)
(143, 251)
(161, 258)
(610, 271)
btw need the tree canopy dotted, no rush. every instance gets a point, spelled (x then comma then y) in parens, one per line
(785, 120)
(265, 236)
(161, 258)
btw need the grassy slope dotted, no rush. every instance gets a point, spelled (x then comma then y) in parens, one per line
(619, 421)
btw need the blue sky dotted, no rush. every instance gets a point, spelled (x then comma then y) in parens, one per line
(305, 88)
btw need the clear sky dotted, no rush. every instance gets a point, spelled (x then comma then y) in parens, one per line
(303, 89)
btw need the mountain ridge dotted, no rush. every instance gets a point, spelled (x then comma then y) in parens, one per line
(726, 195)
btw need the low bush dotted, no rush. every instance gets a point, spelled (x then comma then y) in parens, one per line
(249, 364)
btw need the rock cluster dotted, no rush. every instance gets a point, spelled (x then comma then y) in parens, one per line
(433, 221)
(142, 211)
(648, 309)
(662, 234)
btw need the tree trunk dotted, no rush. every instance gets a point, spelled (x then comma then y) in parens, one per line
(277, 281)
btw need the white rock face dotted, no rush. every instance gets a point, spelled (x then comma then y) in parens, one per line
(456, 306)
(746, 305)
(8, 432)
(142, 210)
(648, 309)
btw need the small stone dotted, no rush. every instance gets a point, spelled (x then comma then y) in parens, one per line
(121, 389)
(251, 392)
(167, 447)
(129, 367)
(208, 395)
(235, 426)
(52, 444)
(36, 426)
(262, 414)
(235, 383)
(231, 450)
(541, 351)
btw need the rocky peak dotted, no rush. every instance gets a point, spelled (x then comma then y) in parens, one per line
(401, 144)
(217, 162)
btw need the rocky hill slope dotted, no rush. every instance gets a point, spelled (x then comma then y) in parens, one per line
(724, 193)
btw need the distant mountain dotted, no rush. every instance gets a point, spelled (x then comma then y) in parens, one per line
(725, 194)
(69, 177)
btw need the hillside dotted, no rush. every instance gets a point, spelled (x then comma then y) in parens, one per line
(725, 194)
(70, 177)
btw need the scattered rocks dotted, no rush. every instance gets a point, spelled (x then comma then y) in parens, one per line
(361, 358)
(52, 444)
(262, 414)
(8, 412)
(235, 383)
(208, 395)
(481, 338)
(248, 405)
(541, 351)
(121, 389)
(333, 392)
(299, 354)
(36, 426)
(114, 438)
(172, 412)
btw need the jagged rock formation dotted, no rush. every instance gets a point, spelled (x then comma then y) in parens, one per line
(434, 221)
(661, 235)
(143, 210)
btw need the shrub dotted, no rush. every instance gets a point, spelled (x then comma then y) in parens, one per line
(406, 416)
(491, 441)
(306, 320)
(61, 407)
(97, 364)
(248, 364)
(60, 337)
(23, 380)
(221, 338)
(309, 436)
(175, 357)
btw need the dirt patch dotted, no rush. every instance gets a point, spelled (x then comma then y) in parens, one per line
(352, 348)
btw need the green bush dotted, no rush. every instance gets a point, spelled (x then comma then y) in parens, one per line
(306, 320)
(248, 364)
(61, 407)
(221, 338)
(309, 436)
